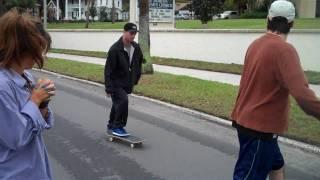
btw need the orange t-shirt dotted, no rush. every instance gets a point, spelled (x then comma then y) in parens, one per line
(271, 72)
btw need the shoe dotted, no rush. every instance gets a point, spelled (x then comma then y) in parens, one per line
(125, 132)
(119, 132)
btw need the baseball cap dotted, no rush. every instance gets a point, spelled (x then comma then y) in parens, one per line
(282, 8)
(130, 27)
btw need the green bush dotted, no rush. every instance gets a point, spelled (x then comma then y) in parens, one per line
(254, 15)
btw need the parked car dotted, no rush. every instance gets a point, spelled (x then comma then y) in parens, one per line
(228, 15)
(182, 16)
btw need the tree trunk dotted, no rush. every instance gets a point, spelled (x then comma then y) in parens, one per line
(144, 35)
(113, 12)
(87, 20)
(87, 14)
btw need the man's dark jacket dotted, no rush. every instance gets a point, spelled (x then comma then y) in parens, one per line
(118, 72)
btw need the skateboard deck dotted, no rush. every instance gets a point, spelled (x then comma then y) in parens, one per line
(132, 140)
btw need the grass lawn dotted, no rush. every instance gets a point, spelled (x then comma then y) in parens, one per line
(244, 24)
(81, 25)
(206, 96)
(196, 24)
(313, 77)
(98, 54)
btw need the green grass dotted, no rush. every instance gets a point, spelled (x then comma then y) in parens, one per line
(98, 54)
(196, 24)
(81, 70)
(201, 65)
(81, 25)
(210, 97)
(313, 77)
(244, 24)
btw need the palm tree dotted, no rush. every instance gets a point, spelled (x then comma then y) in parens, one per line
(22, 4)
(90, 6)
(144, 34)
(113, 12)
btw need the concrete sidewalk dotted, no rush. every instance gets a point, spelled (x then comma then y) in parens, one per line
(227, 78)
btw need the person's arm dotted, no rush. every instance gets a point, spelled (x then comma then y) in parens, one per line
(141, 60)
(48, 117)
(18, 127)
(108, 70)
(293, 78)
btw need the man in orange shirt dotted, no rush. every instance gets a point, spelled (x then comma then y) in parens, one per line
(271, 72)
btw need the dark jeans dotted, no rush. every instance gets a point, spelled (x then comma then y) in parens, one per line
(119, 111)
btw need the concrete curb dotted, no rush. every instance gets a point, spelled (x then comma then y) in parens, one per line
(284, 140)
(316, 31)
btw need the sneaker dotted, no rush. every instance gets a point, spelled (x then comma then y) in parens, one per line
(119, 132)
(125, 132)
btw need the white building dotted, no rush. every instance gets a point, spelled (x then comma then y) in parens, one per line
(307, 9)
(75, 9)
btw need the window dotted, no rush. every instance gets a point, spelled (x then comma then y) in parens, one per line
(118, 4)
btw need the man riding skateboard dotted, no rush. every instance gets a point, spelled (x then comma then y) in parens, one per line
(122, 72)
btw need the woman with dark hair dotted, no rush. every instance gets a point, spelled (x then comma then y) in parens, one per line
(23, 103)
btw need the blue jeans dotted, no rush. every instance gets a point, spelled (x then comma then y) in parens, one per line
(257, 158)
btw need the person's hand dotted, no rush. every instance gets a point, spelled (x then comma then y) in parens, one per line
(45, 113)
(48, 85)
(42, 92)
(39, 95)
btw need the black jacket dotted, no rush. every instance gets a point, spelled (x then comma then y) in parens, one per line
(117, 72)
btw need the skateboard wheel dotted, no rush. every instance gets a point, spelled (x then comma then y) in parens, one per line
(132, 145)
(111, 139)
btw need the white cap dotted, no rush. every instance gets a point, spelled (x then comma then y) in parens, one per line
(282, 8)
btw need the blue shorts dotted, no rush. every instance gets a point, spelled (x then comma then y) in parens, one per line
(257, 158)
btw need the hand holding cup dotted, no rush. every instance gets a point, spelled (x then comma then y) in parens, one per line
(48, 85)
(42, 92)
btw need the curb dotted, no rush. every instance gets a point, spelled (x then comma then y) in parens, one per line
(311, 31)
(284, 140)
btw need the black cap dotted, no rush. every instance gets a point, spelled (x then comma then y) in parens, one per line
(130, 27)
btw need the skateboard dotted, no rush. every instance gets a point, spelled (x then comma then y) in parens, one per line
(132, 140)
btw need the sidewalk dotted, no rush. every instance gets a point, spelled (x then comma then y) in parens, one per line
(227, 78)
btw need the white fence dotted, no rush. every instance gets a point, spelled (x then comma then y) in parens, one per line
(223, 46)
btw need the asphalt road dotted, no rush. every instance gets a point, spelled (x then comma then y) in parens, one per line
(177, 145)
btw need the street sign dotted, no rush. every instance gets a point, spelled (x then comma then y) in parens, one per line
(161, 11)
